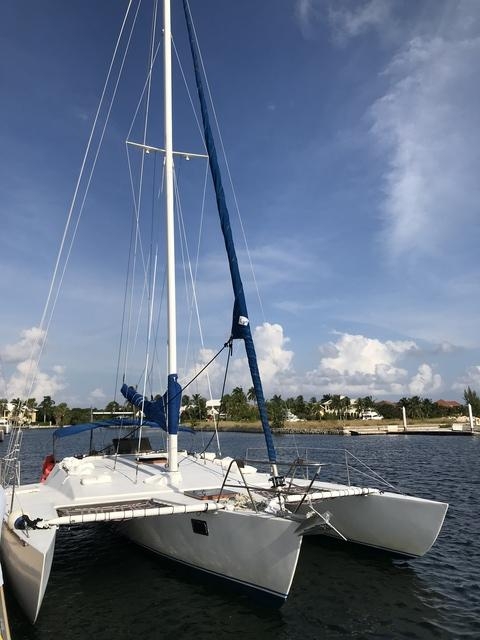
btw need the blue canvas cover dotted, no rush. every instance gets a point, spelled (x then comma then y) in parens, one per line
(157, 410)
(153, 410)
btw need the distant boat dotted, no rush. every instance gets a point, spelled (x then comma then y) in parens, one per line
(239, 520)
(371, 415)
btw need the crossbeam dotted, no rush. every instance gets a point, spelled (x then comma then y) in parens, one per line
(95, 513)
(329, 494)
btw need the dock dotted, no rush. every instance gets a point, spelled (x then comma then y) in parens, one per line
(420, 430)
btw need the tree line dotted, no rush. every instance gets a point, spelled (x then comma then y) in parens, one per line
(240, 406)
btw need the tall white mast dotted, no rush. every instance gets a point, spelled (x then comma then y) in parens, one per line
(172, 326)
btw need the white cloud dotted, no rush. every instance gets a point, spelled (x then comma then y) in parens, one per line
(274, 362)
(27, 380)
(307, 14)
(352, 354)
(346, 19)
(446, 347)
(27, 347)
(428, 125)
(273, 357)
(353, 365)
(471, 378)
(356, 365)
(208, 384)
(353, 19)
(424, 381)
(97, 394)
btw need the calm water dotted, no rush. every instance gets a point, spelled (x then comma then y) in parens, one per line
(103, 587)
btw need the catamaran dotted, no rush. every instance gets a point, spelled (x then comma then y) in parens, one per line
(240, 520)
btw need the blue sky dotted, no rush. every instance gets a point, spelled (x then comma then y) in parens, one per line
(352, 135)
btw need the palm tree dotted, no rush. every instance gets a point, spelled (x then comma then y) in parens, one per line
(313, 409)
(61, 413)
(200, 405)
(239, 407)
(47, 407)
(427, 408)
(360, 406)
(336, 404)
(30, 410)
(345, 405)
(471, 398)
(299, 407)
(277, 412)
(413, 406)
(369, 403)
(111, 407)
(225, 406)
(17, 409)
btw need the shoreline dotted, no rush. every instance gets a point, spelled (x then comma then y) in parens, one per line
(347, 428)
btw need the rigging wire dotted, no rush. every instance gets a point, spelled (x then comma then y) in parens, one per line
(189, 94)
(199, 373)
(124, 307)
(193, 279)
(152, 280)
(147, 88)
(56, 280)
(137, 198)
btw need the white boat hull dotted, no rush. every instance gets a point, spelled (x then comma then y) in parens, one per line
(28, 560)
(388, 521)
(224, 548)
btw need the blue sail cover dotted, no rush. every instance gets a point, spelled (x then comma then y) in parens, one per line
(158, 410)
(173, 399)
(153, 410)
(240, 322)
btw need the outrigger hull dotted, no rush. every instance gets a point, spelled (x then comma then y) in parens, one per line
(396, 523)
(27, 558)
